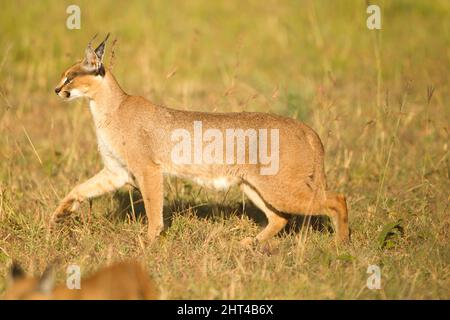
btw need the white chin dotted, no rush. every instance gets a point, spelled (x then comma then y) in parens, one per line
(72, 97)
(74, 94)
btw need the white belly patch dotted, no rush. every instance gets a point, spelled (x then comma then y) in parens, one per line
(221, 183)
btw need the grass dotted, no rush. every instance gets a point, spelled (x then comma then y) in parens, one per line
(367, 93)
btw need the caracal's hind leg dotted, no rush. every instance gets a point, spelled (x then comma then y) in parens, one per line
(336, 208)
(333, 205)
(276, 221)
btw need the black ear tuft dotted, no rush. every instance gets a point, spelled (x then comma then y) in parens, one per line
(100, 50)
(15, 271)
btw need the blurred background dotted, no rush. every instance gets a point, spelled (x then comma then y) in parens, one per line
(379, 99)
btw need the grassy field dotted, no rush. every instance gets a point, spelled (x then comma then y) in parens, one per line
(378, 99)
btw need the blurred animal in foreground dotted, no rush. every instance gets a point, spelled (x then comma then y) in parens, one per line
(121, 281)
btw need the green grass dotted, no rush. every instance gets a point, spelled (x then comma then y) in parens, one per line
(365, 92)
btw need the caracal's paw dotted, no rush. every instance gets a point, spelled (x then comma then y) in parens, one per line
(153, 234)
(65, 208)
(249, 242)
(344, 237)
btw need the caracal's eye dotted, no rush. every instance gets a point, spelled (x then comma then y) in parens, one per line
(67, 81)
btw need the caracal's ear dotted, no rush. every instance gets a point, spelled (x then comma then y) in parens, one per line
(93, 59)
(15, 272)
(100, 51)
(47, 280)
(91, 62)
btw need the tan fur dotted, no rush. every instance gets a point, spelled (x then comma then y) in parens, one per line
(124, 281)
(134, 138)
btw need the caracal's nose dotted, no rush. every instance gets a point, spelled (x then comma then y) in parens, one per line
(57, 90)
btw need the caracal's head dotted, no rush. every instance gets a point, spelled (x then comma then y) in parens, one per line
(84, 77)
(23, 287)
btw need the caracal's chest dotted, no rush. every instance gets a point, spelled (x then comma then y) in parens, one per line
(105, 140)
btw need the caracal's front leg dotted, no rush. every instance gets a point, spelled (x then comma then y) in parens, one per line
(152, 190)
(103, 182)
